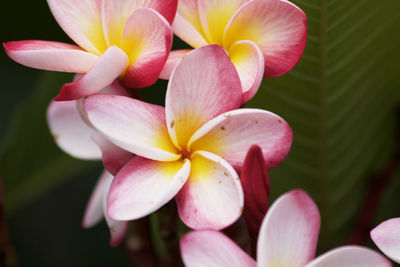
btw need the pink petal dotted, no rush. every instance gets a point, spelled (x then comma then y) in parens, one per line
(187, 25)
(133, 125)
(196, 94)
(215, 15)
(249, 62)
(107, 68)
(387, 238)
(143, 186)
(231, 134)
(114, 157)
(147, 39)
(173, 59)
(212, 248)
(81, 20)
(116, 13)
(70, 132)
(212, 198)
(353, 256)
(278, 27)
(289, 232)
(50, 56)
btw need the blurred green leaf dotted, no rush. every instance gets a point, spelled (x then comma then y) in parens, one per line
(340, 101)
(30, 162)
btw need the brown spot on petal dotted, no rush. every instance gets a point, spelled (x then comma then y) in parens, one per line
(226, 174)
(279, 121)
(241, 209)
(56, 136)
(172, 124)
(222, 128)
(227, 115)
(256, 122)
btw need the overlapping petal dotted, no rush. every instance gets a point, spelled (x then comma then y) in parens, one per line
(212, 198)
(278, 27)
(231, 134)
(142, 186)
(147, 40)
(133, 125)
(173, 59)
(387, 237)
(108, 67)
(289, 232)
(211, 248)
(81, 20)
(350, 256)
(213, 88)
(53, 56)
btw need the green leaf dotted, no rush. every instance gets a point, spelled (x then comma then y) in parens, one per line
(30, 162)
(340, 101)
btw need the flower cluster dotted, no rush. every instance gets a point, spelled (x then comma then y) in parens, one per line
(193, 148)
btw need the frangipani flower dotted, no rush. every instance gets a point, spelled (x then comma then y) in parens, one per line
(288, 237)
(130, 39)
(188, 148)
(264, 38)
(387, 237)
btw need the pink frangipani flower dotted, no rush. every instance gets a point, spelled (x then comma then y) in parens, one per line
(387, 238)
(264, 38)
(188, 149)
(130, 39)
(288, 237)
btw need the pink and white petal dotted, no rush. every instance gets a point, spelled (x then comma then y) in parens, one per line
(70, 132)
(195, 94)
(212, 248)
(353, 256)
(231, 134)
(116, 14)
(53, 56)
(212, 198)
(103, 73)
(386, 236)
(278, 27)
(187, 25)
(133, 125)
(249, 62)
(81, 20)
(289, 232)
(215, 15)
(143, 186)
(147, 40)
(94, 209)
(173, 59)
(115, 89)
(114, 157)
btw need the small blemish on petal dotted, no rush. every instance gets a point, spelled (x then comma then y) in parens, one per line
(222, 128)
(241, 209)
(226, 174)
(56, 136)
(227, 115)
(279, 121)
(256, 122)
(172, 124)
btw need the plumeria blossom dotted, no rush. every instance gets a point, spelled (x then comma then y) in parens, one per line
(264, 38)
(130, 39)
(387, 237)
(188, 149)
(288, 237)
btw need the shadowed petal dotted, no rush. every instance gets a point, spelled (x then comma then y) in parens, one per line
(173, 59)
(143, 186)
(387, 238)
(212, 248)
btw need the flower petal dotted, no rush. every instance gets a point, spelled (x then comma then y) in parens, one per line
(107, 68)
(187, 25)
(249, 62)
(173, 59)
(212, 248)
(350, 256)
(278, 27)
(116, 14)
(215, 15)
(70, 132)
(289, 232)
(147, 40)
(53, 56)
(231, 134)
(114, 157)
(387, 238)
(196, 94)
(212, 198)
(133, 125)
(143, 186)
(81, 20)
